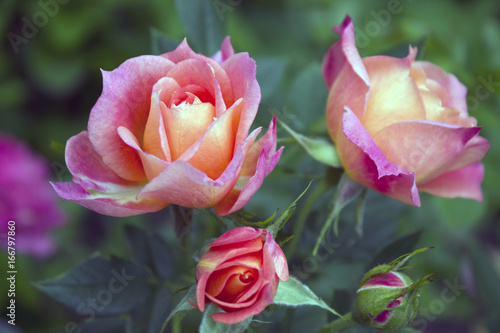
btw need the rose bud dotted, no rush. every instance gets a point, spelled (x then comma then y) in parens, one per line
(240, 274)
(172, 129)
(386, 298)
(401, 125)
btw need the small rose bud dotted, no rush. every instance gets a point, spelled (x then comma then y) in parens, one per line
(384, 301)
(386, 298)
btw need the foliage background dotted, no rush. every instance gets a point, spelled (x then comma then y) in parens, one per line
(49, 86)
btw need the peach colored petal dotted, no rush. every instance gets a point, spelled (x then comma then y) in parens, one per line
(364, 162)
(464, 183)
(185, 124)
(394, 95)
(346, 78)
(216, 149)
(228, 283)
(125, 101)
(424, 147)
(155, 137)
(152, 165)
(237, 235)
(278, 257)
(436, 112)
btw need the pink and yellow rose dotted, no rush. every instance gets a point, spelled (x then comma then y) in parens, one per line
(172, 129)
(400, 123)
(240, 273)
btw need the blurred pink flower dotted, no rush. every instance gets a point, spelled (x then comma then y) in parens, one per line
(400, 123)
(27, 199)
(172, 129)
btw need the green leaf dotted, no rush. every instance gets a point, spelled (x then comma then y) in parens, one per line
(285, 216)
(319, 149)
(100, 287)
(203, 26)
(485, 276)
(208, 325)
(148, 316)
(57, 146)
(270, 73)
(150, 250)
(183, 307)
(161, 43)
(294, 293)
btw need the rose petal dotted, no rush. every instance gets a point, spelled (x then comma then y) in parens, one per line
(259, 162)
(464, 183)
(155, 137)
(125, 101)
(346, 77)
(394, 95)
(226, 51)
(226, 284)
(365, 163)
(242, 71)
(237, 235)
(424, 147)
(279, 259)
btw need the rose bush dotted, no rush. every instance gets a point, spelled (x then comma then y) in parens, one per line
(240, 273)
(172, 129)
(27, 199)
(400, 123)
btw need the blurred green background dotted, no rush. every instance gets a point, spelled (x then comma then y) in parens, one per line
(50, 81)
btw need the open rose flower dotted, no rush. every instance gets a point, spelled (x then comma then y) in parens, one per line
(400, 123)
(27, 199)
(172, 129)
(240, 274)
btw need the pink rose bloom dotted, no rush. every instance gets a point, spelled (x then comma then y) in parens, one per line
(172, 129)
(240, 273)
(27, 199)
(400, 123)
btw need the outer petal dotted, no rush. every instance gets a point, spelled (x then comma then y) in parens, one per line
(424, 147)
(226, 51)
(241, 70)
(464, 183)
(364, 162)
(125, 101)
(182, 184)
(97, 186)
(237, 235)
(259, 162)
(279, 259)
(346, 77)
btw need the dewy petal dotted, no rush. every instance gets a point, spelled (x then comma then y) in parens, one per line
(259, 162)
(183, 52)
(155, 138)
(364, 162)
(424, 147)
(464, 183)
(242, 71)
(394, 94)
(125, 101)
(97, 186)
(184, 185)
(226, 51)
(346, 77)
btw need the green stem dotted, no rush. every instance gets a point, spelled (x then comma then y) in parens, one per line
(318, 191)
(338, 324)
